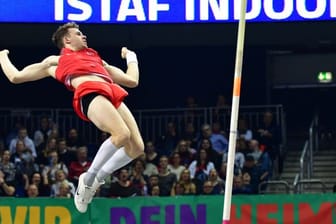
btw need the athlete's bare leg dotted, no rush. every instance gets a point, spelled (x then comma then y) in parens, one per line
(104, 115)
(106, 118)
(114, 153)
(136, 144)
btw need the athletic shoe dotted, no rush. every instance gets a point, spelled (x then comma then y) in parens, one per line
(84, 193)
(96, 184)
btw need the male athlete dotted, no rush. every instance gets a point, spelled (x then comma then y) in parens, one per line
(97, 98)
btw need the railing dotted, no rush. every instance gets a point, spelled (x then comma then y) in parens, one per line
(304, 166)
(152, 123)
(309, 186)
(307, 155)
(274, 186)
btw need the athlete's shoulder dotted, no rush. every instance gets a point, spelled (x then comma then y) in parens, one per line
(51, 60)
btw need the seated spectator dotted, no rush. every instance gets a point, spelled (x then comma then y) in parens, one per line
(11, 178)
(217, 183)
(153, 181)
(65, 190)
(155, 191)
(166, 178)
(167, 142)
(254, 171)
(27, 167)
(207, 188)
(123, 187)
(21, 153)
(189, 134)
(6, 166)
(247, 181)
(190, 147)
(65, 155)
(256, 151)
(200, 169)
(150, 168)
(262, 160)
(138, 179)
(43, 188)
(188, 185)
(32, 191)
(43, 155)
(28, 142)
(62, 181)
(269, 136)
(239, 159)
(80, 165)
(74, 140)
(240, 186)
(175, 165)
(178, 189)
(244, 131)
(186, 153)
(222, 171)
(49, 171)
(213, 156)
(243, 146)
(152, 155)
(219, 143)
(7, 188)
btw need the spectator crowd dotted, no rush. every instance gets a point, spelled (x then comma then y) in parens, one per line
(44, 163)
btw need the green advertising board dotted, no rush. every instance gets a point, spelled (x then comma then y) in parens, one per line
(257, 209)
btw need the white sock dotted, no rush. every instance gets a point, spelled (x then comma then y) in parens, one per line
(105, 152)
(118, 160)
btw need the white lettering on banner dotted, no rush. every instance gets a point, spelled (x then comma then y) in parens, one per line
(105, 10)
(252, 14)
(84, 7)
(59, 6)
(190, 10)
(220, 10)
(154, 7)
(137, 11)
(288, 7)
(333, 8)
(321, 6)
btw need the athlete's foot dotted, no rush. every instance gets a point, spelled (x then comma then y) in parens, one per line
(84, 193)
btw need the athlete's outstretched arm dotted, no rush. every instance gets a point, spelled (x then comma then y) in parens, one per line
(131, 77)
(30, 73)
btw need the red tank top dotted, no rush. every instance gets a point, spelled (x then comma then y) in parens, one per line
(76, 63)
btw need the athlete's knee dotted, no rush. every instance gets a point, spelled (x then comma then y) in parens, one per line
(138, 147)
(121, 138)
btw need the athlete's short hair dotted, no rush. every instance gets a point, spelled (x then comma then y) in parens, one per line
(62, 31)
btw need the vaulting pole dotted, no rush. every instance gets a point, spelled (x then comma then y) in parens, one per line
(234, 114)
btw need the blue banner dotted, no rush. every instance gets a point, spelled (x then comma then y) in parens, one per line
(163, 11)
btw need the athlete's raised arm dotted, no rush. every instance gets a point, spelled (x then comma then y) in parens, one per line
(131, 77)
(31, 72)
